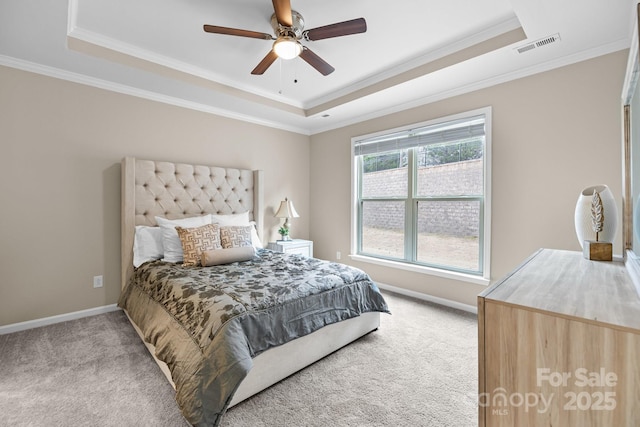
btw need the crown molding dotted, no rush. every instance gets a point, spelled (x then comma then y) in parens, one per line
(482, 84)
(449, 49)
(74, 31)
(132, 51)
(145, 94)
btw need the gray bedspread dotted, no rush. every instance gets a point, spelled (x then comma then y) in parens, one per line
(207, 323)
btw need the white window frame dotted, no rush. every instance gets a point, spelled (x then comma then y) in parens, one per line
(483, 279)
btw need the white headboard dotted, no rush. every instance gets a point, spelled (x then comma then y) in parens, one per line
(178, 190)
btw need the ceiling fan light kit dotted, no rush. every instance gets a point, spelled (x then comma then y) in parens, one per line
(287, 47)
(288, 26)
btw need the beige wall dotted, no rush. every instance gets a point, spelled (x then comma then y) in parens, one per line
(61, 144)
(554, 134)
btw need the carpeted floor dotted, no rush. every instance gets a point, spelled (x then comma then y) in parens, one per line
(418, 369)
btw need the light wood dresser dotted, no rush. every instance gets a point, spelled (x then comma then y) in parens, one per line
(559, 345)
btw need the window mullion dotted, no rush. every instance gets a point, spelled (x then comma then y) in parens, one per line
(410, 209)
(359, 207)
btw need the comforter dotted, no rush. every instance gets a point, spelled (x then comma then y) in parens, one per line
(207, 323)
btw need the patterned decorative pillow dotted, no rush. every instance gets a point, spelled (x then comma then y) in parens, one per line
(197, 240)
(235, 236)
(171, 244)
(238, 219)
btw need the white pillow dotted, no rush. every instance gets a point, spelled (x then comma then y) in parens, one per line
(255, 239)
(147, 244)
(231, 219)
(238, 219)
(170, 240)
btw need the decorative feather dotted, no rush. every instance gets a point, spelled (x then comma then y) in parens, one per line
(597, 213)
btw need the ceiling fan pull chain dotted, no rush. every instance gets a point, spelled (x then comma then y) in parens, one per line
(280, 63)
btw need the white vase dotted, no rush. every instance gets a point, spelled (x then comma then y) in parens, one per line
(584, 229)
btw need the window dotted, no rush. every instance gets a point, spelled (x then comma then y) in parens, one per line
(421, 195)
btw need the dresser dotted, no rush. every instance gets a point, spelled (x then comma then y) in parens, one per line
(293, 246)
(559, 345)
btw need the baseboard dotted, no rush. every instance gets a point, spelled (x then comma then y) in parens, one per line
(30, 324)
(430, 298)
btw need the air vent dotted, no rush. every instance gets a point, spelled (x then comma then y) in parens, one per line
(539, 43)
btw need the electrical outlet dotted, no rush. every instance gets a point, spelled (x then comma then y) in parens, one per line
(97, 281)
(338, 255)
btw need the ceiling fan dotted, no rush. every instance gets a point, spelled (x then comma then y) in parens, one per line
(288, 26)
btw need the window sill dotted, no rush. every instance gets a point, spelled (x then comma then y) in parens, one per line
(422, 269)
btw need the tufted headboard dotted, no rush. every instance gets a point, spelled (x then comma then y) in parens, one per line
(178, 190)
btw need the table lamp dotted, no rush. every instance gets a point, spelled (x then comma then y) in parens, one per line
(286, 211)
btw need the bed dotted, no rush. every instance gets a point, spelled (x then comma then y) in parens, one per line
(217, 355)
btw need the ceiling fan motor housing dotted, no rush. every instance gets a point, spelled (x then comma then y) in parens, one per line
(295, 30)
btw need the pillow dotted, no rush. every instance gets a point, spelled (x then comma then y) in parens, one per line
(255, 239)
(227, 256)
(147, 244)
(235, 236)
(170, 239)
(197, 240)
(231, 219)
(238, 219)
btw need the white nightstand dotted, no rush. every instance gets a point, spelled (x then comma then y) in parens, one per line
(294, 246)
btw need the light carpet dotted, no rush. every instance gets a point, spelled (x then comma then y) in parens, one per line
(418, 369)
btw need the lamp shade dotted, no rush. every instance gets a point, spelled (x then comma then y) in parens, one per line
(286, 210)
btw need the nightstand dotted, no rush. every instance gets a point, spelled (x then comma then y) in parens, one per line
(294, 246)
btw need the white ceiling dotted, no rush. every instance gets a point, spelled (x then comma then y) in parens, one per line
(414, 51)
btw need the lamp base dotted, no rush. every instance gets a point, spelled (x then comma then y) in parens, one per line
(597, 251)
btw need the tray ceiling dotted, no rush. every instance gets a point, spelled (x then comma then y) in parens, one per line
(412, 53)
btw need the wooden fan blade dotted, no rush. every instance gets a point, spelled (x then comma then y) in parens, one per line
(265, 63)
(283, 12)
(316, 62)
(237, 32)
(345, 28)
